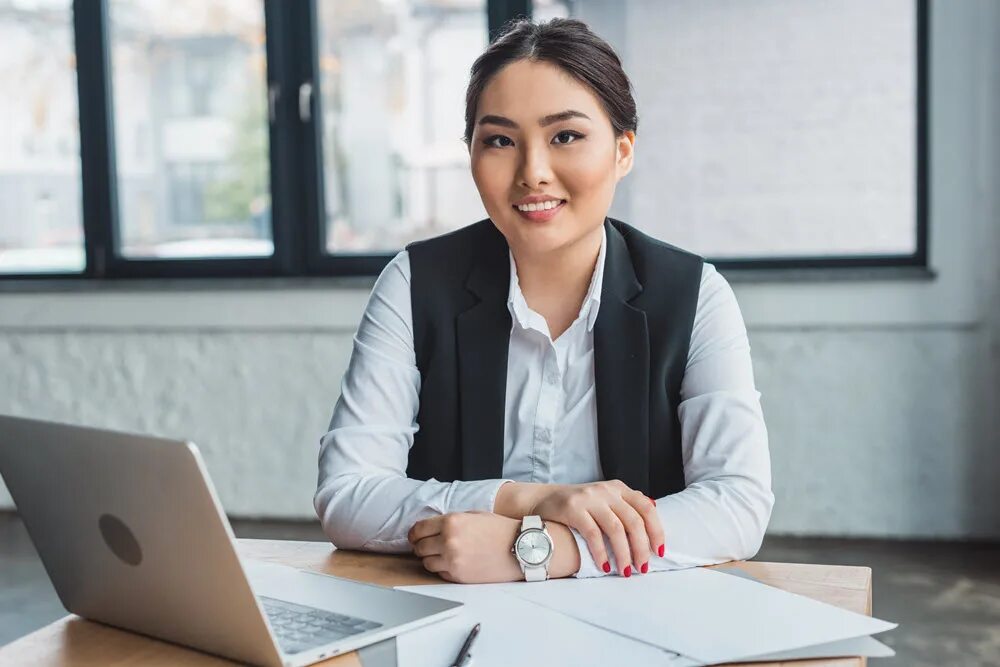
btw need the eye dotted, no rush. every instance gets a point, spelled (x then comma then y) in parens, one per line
(573, 136)
(489, 141)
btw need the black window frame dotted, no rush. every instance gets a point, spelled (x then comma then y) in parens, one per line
(296, 162)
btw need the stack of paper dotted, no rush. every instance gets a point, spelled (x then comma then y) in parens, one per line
(677, 618)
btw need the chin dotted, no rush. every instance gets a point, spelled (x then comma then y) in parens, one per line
(542, 241)
(538, 237)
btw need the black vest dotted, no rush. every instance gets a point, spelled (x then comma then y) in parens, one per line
(461, 334)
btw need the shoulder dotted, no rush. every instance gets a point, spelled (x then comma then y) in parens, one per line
(395, 274)
(444, 262)
(660, 266)
(671, 277)
(390, 296)
(713, 283)
(718, 315)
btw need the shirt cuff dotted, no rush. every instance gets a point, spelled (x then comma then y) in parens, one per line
(588, 568)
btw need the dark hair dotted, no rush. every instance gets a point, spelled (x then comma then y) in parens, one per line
(568, 44)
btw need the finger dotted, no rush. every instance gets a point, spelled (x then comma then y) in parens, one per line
(425, 528)
(429, 546)
(646, 508)
(591, 532)
(635, 528)
(612, 526)
(435, 564)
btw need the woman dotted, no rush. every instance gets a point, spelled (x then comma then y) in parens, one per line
(548, 367)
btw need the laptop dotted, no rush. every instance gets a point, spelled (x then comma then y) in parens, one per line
(132, 534)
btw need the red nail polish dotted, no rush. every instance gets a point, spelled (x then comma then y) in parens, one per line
(628, 571)
(606, 567)
(660, 551)
(652, 500)
(645, 568)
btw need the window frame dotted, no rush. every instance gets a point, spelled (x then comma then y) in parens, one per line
(296, 163)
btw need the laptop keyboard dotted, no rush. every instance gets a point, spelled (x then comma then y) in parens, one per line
(299, 628)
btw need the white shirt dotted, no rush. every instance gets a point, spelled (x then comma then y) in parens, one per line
(365, 500)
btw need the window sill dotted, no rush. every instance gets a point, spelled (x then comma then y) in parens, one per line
(864, 297)
(258, 284)
(830, 275)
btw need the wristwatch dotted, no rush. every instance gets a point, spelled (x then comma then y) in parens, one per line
(533, 549)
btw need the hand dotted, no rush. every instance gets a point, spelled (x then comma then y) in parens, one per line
(627, 517)
(475, 547)
(468, 547)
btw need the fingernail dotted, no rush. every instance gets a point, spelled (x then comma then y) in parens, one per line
(654, 501)
(628, 571)
(660, 551)
(606, 567)
(645, 568)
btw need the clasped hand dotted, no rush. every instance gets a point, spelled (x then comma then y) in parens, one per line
(627, 517)
(475, 547)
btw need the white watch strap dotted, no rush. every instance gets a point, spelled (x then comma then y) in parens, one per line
(537, 573)
(532, 521)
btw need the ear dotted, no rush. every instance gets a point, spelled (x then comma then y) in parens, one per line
(625, 153)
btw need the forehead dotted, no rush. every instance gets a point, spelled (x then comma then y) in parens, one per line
(530, 90)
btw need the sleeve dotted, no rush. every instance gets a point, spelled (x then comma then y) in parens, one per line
(723, 512)
(364, 499)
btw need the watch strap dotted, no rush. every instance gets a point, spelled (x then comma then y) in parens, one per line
(537, 573)
(532, 521)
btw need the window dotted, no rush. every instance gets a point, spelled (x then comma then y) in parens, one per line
(191, 77)
(41, 229)
(773, 129)
(200, 138)
(393, 78)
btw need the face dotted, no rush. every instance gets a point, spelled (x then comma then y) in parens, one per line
(540, 132)
(534, 547)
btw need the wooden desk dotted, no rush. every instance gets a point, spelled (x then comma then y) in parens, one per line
(73, 642)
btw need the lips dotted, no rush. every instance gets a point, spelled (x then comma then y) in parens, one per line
(541, 215)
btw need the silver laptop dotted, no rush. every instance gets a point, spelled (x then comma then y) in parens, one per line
(132, 534)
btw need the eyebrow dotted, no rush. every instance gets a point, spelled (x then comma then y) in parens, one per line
(542, 122)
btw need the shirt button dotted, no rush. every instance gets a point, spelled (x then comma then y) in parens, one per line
(552, 378)
(543, 435)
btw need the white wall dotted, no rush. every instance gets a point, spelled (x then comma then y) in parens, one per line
(881, 396)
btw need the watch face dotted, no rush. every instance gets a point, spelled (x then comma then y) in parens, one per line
(534, 547)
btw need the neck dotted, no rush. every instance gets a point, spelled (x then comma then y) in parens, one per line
(562, 276)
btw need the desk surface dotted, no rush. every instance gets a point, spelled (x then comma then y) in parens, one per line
(72, 641)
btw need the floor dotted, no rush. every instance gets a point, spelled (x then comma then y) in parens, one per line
(944, 595)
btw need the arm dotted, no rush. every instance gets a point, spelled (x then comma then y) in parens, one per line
(615, 523)
(723, 512)
(475, 548)
(517, 499)
(363, 498)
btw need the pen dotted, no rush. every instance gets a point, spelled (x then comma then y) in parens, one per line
(464, 653)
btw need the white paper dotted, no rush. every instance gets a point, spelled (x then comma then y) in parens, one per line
(705, 615)
(515, 631)
(845, 648)
(858, 646)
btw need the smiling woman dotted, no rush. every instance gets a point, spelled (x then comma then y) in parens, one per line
(548, 392)
(573, 157)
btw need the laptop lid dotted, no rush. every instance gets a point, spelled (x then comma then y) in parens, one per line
(132, 534)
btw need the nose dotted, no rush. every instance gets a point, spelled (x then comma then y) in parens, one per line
(535, 169)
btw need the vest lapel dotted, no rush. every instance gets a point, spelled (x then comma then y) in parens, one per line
(621, 370)
(483, 338)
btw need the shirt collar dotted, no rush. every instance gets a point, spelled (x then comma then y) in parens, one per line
(520, 311)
